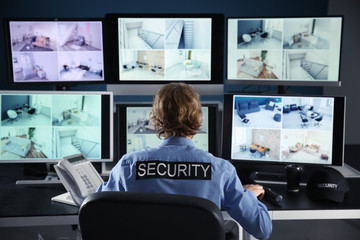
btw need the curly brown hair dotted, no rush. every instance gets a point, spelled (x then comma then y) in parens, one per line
(176, 111)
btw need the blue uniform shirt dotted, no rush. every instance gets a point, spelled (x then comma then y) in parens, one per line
(178, 167)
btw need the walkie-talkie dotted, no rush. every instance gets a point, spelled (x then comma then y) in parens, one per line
(272, 196)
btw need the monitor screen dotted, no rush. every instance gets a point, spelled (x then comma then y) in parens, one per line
(55, 50)
(165, 48)
(46, 126)
(284, 129)
(284, 51)
(136, 131)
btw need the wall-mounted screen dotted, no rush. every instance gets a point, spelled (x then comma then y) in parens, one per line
(137, 132)
(55, 50)
(284, 51)
(46, 126)
(167, 47)
(284, 129)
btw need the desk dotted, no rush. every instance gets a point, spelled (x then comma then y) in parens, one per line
(321, 220)
(298, 206)
(259, 148)
(31, 206)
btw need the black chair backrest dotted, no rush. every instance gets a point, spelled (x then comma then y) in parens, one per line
(319, 118)
(303, 118)
(126, 215)
(31, 111)
(252, 150)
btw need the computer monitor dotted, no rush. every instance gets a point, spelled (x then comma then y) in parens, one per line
(279, 130)
(136, 131)
(44, 126)
(55, 51)
(284, 50)
(163, 48)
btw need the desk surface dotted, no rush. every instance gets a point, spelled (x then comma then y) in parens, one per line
(32, 205)
(301, 200)
(299, 206)
(258, 147)
(32, 202)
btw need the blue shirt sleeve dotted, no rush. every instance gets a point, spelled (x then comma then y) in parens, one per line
(246, 209)
(114, 182)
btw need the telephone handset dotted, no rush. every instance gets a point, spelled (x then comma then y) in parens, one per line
(78, 176)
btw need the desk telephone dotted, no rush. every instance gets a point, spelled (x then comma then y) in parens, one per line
(78, 176)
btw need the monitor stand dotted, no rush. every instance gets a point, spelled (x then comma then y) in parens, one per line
(272, 177)
(268, 177)
(62, 87)
(50, 178)
(282, 89)
(46, 181)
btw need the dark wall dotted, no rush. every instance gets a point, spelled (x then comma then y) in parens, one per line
(92, 8)
(247, 27)
(349, 72)
(12, 102)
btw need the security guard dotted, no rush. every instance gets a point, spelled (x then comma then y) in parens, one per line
(176, 166)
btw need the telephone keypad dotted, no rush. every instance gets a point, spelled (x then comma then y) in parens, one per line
(85, 171)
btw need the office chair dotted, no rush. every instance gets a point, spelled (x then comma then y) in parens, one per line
(31, 112)
(264, 36)
(12, 114)
(318, 120)
(305, 121)
(127, 215)
(244, 120)
(252, 152)
(246, 39)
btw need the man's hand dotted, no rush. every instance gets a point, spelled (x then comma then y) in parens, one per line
(257, 189)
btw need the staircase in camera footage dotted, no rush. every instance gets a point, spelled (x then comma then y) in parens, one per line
(188, 33)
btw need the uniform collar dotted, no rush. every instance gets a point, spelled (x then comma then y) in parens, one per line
(177, 141)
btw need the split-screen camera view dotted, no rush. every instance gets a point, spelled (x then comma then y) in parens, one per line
(164, 49)
(284, 49)
(57, 51)
(141, 132)
(36, 126)
(284, 129)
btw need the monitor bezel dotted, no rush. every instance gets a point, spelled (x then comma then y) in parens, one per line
(217, 46)
(107, 139)
(9, 53)
(121, 134)
(320, 83)
(338, 131)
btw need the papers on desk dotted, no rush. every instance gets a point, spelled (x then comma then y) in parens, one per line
(64, 198)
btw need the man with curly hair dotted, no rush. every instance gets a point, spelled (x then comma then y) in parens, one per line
(177, 166)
